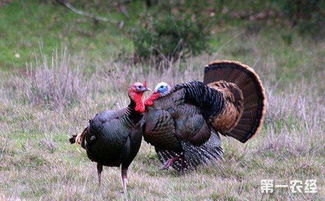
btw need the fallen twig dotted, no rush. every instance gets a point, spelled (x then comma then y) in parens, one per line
(83, 13)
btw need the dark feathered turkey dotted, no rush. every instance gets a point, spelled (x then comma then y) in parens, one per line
(184, 122)
(113, 137)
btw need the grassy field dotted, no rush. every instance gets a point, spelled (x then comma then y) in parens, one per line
(60, 88)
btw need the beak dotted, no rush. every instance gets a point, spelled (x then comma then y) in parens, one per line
(147, 89)
(144, 89)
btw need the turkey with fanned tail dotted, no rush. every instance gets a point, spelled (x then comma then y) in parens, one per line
(183, 123)
(113, 137)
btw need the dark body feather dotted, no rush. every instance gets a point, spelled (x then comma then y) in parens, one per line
(113, 138)
(187, 121)
(181, 120)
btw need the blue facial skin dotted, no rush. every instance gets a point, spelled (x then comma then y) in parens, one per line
(162, 90)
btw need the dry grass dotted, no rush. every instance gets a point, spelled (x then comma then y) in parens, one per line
(40, 109)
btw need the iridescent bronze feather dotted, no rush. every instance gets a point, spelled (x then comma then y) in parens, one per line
(230, 101)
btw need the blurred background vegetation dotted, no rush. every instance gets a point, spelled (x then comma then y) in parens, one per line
(150, 30)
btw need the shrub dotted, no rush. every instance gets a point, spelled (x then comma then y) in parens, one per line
(307, 15)
(171, 38)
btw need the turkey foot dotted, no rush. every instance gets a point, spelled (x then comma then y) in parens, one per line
(170, 161)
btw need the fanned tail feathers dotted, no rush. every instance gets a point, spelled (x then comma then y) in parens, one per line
(222, 74)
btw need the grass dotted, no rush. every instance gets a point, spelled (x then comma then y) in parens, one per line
(27, 25)
(38, 163)
(36, 120)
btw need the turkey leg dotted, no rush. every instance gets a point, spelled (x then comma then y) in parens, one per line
(182, 163)
(124, 179)
(99, 172)
(170, 161)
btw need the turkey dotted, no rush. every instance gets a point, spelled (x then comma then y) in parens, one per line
(183, 123)
(113, 137)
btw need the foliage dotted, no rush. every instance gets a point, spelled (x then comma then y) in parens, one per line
(173, 29)
(308, 15)
(26, 24)
(171, 38)
(298, 10)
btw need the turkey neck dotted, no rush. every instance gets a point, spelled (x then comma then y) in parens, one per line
(131, 116)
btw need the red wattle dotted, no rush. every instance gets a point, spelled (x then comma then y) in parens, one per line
(139, 107)
(150, 99)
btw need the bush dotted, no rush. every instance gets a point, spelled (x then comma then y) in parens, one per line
(171, 38)
(307, 15)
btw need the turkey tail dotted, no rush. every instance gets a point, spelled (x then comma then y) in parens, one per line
(252, 94)
(72, 139)
(207, 154)
(80, 138)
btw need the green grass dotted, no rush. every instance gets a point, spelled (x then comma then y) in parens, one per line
(28, 26)
(38, 163)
